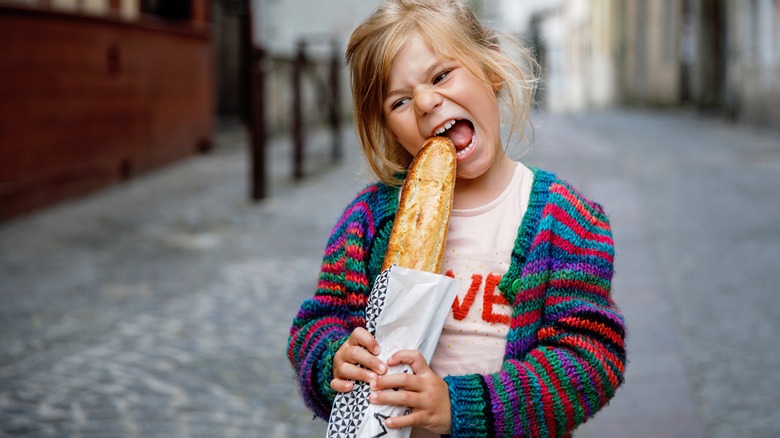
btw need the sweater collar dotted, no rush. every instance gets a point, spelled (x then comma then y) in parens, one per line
(529, 228)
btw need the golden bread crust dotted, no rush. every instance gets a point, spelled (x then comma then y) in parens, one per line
(419, 232)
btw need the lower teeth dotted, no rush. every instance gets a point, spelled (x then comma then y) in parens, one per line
(462, 152)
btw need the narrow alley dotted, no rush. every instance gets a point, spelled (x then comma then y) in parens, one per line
(161, 307)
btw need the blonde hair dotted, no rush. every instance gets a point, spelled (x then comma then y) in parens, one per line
(452, 31)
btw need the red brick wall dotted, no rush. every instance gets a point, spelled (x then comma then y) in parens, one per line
(86, 102)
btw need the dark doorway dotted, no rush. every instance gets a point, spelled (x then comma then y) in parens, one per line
(712, 58)
(231, 68)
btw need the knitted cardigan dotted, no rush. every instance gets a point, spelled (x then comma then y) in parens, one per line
(565, 354)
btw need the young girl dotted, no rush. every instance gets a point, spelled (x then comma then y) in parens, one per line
(534, 344)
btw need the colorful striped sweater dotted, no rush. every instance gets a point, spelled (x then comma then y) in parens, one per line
(565, 354)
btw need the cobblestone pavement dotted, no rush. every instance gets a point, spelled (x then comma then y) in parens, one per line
(161, 307)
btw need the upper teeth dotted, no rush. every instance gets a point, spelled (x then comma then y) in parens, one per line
(445, 127)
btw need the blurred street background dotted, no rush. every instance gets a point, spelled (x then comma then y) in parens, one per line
(171, 169)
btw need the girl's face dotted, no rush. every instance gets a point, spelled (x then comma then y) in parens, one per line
(432, 95)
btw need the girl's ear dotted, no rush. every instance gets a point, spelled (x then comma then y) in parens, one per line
(495, 81)
(497, 84)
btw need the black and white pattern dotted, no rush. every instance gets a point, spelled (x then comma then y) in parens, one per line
(349, 408)
(376, 300)
(348, 412)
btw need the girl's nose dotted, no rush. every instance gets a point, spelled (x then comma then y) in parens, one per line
(426, 101)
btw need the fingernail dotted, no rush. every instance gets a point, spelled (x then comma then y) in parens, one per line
(371, 376)
(372, 397)
(382, 368)
(377, 349)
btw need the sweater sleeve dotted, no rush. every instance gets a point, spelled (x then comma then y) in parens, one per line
(565, 349)
(324, 321)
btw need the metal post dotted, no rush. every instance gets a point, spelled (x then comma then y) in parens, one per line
(297, 110)
(254, 103)
(259, 133)
(335, 100)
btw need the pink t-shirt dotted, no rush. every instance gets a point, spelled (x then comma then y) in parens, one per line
(479, 248)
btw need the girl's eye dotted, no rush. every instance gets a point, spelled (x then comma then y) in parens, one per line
(440, 77)
(398, 103)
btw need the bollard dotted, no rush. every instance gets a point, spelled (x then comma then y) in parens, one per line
(335, 101)
(257, 123)
(297, 110)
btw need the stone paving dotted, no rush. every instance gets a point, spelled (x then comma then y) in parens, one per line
(161, 307)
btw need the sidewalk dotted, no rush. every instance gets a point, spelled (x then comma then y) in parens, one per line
(656, 400)
(161, 307)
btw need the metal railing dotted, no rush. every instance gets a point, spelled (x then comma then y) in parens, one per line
(328, 94)
(306, 71)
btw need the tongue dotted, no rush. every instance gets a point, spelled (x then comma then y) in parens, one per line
(460, 134)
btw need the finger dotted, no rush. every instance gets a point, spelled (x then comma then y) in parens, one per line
(419, 419)
(374, 365)
(361, 348)
(350, 355)
(413, 358)
(400, 397)
(409, 420)
(341, 385)
(348, 371)
(360, 336)
(405, 380)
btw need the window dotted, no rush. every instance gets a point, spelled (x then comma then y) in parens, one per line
(168, 9)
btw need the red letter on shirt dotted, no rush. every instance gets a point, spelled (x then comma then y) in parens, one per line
(461, 310)
(490, 298)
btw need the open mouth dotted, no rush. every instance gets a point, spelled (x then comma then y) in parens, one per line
(461, 132)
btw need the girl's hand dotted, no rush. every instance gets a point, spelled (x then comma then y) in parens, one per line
(424, 392)
(360, 349)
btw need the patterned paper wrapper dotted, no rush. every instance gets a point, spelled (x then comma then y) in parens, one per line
(406, 311)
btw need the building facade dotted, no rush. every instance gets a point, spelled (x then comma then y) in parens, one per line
(93, 92)
(750, 60)
(721, 56)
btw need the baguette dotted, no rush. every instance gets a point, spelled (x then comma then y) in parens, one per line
(419, 232)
